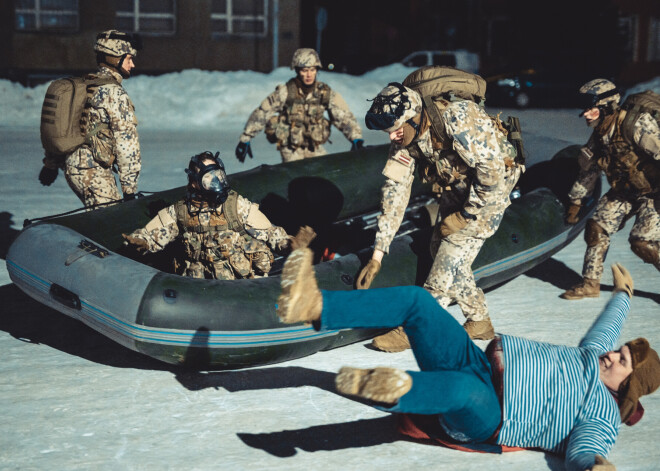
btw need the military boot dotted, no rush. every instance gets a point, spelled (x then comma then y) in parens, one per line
(395, 340)
(479, 330)
(376, 384)
(588, 288)
(300, 300)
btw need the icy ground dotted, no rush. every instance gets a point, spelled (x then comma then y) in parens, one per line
(72, 399)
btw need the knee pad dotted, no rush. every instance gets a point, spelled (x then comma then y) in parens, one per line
(593, 233)
(649, 252)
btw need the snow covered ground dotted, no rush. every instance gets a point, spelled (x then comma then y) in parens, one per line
(72, 399)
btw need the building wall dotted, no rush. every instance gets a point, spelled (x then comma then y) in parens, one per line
(639, 67)
(43, 54)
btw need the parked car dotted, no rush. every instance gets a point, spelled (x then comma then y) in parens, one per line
(532, 87)
(460, 58)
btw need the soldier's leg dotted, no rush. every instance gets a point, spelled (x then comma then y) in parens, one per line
(76, 166)
(262, 262)
(645, 234)
(451, 276)
(92, 183)
(290, 154)
(610, 213)
(607, 219)
(101, 187)
(223, 270)
(194, 269)
(317, 152)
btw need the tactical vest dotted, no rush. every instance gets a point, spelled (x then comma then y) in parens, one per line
(302, 122)
(629, 171)
(444, 168)
(203, 242)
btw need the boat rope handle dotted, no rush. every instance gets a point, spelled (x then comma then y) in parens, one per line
(139, 194)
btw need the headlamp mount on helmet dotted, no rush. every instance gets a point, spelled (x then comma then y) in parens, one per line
(387, 109)
(591, 99)
(207, 181)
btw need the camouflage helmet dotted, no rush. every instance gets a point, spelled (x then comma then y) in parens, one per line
(305, 57)
(599, 93)
(115, 43)
(393, 107)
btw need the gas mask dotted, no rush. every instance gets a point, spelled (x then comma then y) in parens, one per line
(208, 181)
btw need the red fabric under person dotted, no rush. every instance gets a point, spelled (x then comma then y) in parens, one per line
(413, 427)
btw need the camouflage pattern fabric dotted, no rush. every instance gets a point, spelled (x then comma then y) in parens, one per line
(611, 214)
(88, 170)
(613, 208)
(224, 255)
(477, 174)
(339, 114)
(646, 136)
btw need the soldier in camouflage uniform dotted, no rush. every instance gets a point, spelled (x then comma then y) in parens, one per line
(111, 126)
(473, 172)
(294, 114)
(632, 167)
(225, 235)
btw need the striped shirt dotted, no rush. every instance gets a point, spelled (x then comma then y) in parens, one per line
(553, 396)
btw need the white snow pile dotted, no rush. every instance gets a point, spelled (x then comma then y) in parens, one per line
(198, 99)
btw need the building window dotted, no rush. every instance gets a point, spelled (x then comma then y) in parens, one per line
(654, 40)
(152, 17)
(628, 27)
(239, 17)
(46, 15)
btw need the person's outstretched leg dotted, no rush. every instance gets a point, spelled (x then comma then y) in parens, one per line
(438, 341)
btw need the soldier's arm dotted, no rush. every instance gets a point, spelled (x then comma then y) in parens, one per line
(342, 117)
(160, 231)
(647, 135)
(588, 175)
(272, 104)
(123, 125)
(399, 171)
(259, 226)
(482, 147)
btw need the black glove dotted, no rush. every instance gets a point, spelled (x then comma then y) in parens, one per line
(47, 175)
(241, 149)
(357, 144)
(129, 196)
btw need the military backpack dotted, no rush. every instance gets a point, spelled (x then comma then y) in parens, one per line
(62, 110)
(635, 105)
(438, 85)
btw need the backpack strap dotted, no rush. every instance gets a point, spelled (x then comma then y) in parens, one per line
(291, 93)
(92, 83)
(230, 208)
(324, 93)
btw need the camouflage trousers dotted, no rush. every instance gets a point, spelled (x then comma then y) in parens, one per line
(289, 154)
(90, 182)
(611, 215)
(451, 277)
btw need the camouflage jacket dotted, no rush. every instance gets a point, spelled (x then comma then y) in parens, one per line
(646, 137)
(472, 166)
(116, 142)
(164, 228)
(274, 104)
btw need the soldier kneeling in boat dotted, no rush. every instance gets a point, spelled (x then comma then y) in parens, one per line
(225, 236)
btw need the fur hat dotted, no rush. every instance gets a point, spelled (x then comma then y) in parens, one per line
(644, 379)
